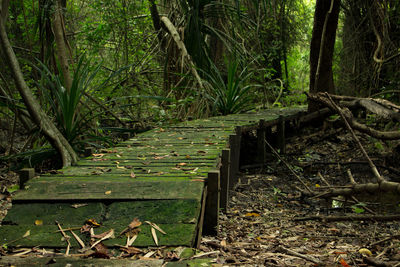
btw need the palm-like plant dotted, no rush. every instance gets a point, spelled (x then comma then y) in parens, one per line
(230, 95)
(65, 104)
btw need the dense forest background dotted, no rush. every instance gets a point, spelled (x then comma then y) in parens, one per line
(75, 74)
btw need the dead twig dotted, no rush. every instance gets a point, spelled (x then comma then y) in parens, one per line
(371, 164)
(294, 253)
(66, 237)
(288, 166)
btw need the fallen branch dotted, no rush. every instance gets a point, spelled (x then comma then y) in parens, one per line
(371, 164)
(389, 135)
(351, 190)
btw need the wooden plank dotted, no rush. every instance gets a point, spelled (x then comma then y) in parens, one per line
(48, 213)
(224, 171)
(111, 190)
(48, 236)
(211, 215)
(157, 211)
(200, 224)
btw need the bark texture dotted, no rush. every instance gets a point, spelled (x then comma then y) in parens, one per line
(39, 117)
(62, 53)
(322, 46)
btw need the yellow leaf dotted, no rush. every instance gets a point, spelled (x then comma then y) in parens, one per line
(365, 251)
(107, 192)
(28, 233)
(252, 214)
(187, 157)
(38, 222)
(317, 185)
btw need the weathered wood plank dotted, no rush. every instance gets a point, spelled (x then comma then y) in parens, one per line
(108, 190)
(48, 213)
(48, 236)
(211, 215)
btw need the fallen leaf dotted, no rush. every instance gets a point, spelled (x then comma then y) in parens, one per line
(38, 222)
(131, 250)
(107, 192)
(252, 214)
(149, 254)
(98, 155)
(92, 222)
(153, 233)
(130, 240)
(155, 226)
(365, 251)
(79, 205)
(188, 157)
(343, 262)
(181, 164)
(135, 223)
(78, 239)
(101, 251)
(107, 235)
(102, 235)
(201, 152)
(27, 233)
(133, 175)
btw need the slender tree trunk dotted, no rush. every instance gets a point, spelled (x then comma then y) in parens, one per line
(58, 29)
(39, 117)
(322, 46)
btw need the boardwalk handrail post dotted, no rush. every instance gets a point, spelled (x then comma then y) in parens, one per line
(224, 178)
(281, 135)
(261, 147)
(232, 173)
(25, 175)
(211, 219)
(236, 160)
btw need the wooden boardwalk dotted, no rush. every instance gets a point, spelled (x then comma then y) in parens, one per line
(161, 176)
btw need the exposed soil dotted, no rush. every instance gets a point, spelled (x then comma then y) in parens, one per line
(260, 226)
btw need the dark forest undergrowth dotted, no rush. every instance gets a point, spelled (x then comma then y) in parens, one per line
(269, 222)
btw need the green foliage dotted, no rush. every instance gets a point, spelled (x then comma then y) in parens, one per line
(230, 95)
(359, 207)
(66, 104)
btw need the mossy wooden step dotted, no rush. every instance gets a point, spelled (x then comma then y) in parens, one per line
(180, 229)
(69, 190)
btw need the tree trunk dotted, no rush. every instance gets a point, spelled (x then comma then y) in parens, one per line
(322, 46)
(39, 117)
(58, 29)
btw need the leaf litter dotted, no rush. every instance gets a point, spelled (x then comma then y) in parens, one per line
(261, 226)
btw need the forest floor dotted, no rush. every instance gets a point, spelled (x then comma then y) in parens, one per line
(260, 227)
